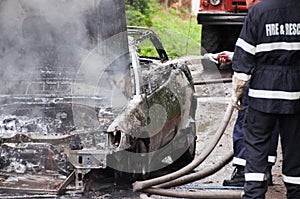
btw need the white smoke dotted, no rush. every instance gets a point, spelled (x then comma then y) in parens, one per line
(45, 46)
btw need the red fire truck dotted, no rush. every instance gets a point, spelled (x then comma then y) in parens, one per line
(221, 22)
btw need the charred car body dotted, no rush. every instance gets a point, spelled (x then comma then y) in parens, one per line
(78, 94)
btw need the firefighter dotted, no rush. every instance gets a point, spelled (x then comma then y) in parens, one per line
(267, 57)
(239, 162)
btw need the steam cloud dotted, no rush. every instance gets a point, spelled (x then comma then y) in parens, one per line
(64, 47)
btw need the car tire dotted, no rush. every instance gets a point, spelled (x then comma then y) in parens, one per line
(141, 165)
(187, 157)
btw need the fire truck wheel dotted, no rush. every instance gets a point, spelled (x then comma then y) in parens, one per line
(210, 42)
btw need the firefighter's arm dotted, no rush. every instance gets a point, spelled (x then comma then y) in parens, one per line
(239, 82)
(244, 58)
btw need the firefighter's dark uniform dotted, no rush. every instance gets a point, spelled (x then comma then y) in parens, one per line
(268, 54)
(238, 137)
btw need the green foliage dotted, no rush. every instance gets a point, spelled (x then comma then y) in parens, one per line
(179, 37)
(139, 12)
(140, 5)
(179, 32)
(136, 18)
(148, 52)
(147, 49)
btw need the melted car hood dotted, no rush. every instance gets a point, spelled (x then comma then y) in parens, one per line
(53, 117)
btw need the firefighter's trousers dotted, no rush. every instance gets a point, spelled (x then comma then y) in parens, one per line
(238, 137)
(258, 128)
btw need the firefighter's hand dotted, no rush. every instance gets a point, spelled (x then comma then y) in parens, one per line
(225, 57)
(238, 86)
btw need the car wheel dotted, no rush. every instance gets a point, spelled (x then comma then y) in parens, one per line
(187, 157)
(140, 165)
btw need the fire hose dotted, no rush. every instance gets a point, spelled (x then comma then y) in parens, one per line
(198, 175)
(224, 194)
(152, 186)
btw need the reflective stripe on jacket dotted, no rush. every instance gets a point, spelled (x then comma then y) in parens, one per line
(268, 51)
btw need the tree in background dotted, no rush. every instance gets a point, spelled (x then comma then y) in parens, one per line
(176, 4)
(139, 12)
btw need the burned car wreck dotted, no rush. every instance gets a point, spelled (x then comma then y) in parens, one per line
(78, 94)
